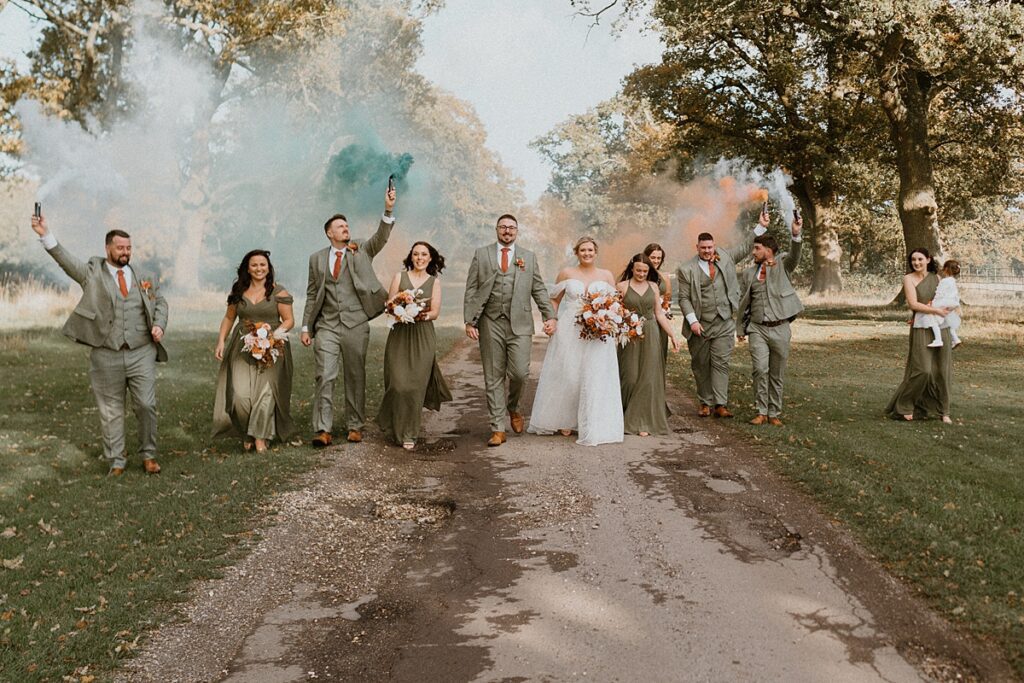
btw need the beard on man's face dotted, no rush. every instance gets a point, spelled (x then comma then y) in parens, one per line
(122, 259)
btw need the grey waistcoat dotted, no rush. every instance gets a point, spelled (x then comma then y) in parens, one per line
(341, 302)
(129, 320)
(714, 300)
(761, 309)
(500, 302)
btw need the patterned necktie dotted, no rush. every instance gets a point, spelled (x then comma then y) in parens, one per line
(711, 270)
(337, 265)
(504, 259)
(121, 284)
(761, 272)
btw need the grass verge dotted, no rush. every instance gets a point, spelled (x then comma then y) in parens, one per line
(941, 506)
(90, 563)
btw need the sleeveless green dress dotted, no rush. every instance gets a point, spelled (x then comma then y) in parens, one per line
(249, 401)
(925, 389)
(412, 378)
(642, 369)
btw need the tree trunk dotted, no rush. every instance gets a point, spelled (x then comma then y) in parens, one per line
(818, 209)
(906, 98)
(195, 215)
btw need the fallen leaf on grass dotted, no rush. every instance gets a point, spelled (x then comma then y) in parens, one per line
(949, 506)
(9, 532)
(14, 563)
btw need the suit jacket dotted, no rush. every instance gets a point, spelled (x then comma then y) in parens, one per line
(93, 316)
(372, 294)
(527, 284)
(688, 276)
(780, 290)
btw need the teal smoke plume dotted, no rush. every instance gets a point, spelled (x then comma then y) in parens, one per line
(357, 176)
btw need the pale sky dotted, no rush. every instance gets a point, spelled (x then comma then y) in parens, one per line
(525, 66)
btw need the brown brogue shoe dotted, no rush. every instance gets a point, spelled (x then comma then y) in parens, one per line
(759, 420)
(497, 438)
(774, 422)
(518, 423)
(151, 466)
(355, 436)
(322, 440)
(703, 411)
(722, 411)
(115, 472)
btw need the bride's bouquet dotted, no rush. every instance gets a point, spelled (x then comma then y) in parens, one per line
(262, 345)
(602, 316)
(404, 307)
(666, 305)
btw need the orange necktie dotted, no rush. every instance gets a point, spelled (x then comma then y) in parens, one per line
(761, 272)
(711, 270)
(504, 259)
(121, 284)
(337, 266)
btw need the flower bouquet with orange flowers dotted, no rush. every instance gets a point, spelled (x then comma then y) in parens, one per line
(602, 316)
(262, 345)
(404, 307)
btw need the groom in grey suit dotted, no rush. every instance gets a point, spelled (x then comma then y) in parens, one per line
(502, 279)
(342, 295)
(122, 317)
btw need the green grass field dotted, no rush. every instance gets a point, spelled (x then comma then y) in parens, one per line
(90, 562)
(941, 506)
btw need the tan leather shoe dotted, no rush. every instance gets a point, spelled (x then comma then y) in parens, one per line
(497, 438)
(517, 422)
(355, 436)
(722, 411)
(774, 422)
(115, 472)
(759, 420)
(703, 411)
(322, 440)
(151, 466)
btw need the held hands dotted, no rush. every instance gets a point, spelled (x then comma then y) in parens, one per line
(472, 332)
(697, 329)
(39, 225)
(305, 339)
(550, 326)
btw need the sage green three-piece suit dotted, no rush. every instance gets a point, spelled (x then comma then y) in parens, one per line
(766, 309)
(337, 316)
(713, 302)
(498, 304)
(124, 354)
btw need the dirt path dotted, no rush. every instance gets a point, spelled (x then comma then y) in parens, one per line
(678, 558)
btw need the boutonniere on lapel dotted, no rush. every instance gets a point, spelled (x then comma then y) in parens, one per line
(716, 258)
(520, 263)
(353, 247)
(147, 288)
(770, 262)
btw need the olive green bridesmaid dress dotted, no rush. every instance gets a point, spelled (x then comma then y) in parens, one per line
(642, 369)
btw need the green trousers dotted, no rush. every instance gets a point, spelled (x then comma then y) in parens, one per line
(505, 356)
(332, 347)
(709, 360)
(769, 351)
(111, 374)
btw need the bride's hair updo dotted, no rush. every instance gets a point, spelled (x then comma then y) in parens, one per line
(584, 240)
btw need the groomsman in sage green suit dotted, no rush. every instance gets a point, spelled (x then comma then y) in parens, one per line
(502, 279)
(122, 318)
(708, 294)
(769, 304)
(342, 295)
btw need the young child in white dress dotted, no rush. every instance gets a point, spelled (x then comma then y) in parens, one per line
(946, 296)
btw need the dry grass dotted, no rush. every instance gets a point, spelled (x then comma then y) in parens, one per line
(30, 303)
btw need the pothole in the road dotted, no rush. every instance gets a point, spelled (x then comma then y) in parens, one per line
(560, 561)
(440, 446)
(419, 510)
(724, 486)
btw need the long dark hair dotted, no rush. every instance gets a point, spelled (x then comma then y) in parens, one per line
(436, 264)
(932, 268)
(243, 280)
(652, 272)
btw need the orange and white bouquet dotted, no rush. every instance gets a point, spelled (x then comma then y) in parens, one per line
(404, 307)
(666, 305)
(602, 316)
(262, 345)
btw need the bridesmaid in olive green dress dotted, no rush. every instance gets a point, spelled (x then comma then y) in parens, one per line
(251, 401)
(642, 361)
(656, 253)
(926, 381)
(412, 378)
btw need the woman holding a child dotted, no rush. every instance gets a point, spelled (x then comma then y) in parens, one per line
(926, 382)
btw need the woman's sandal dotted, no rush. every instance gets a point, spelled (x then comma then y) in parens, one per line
(262, 446)
(565, 432)
(248, 444)
(908, 418)
(946, 419)
(408, 445)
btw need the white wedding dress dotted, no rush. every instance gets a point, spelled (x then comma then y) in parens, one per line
(579, 382)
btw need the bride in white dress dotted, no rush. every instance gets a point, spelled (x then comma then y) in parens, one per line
(578, 388)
